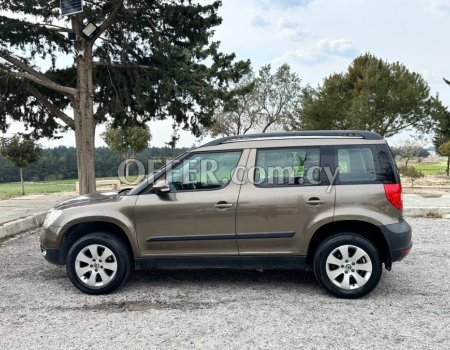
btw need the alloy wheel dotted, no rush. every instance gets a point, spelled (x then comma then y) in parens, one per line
(96, 265)
(349, 267)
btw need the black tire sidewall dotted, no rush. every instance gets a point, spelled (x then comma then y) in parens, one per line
(332, 243)
(119, 250)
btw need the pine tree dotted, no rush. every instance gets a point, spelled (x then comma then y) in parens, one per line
(147, 59)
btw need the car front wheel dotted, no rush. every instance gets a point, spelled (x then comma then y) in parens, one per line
(347, 265)
(98, 263)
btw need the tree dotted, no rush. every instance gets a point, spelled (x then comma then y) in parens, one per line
(444, 150)
(442, 135)
(424, 153)
(239, 113)
(128, 141)
(259, 103)
(278, 96)
(21, 152)
(146, 60)
(409, 150)
(371, 95)
(411, 172)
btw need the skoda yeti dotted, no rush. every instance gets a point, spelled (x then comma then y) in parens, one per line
(325, 201)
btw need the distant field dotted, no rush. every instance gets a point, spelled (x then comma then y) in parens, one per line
(435, 168)
(432, 168)
(13, 189)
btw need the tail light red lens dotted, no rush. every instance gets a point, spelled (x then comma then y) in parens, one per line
(394, 195)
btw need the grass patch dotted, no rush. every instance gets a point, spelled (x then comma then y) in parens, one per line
(437, 168)
(13, 189)
(432, 168)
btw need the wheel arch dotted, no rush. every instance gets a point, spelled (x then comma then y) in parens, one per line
(367, 230)
(81, 229)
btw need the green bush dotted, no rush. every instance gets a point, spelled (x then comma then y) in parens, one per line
(410, 172)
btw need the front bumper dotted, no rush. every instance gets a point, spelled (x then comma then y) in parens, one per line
(50, 247)
(53, 255)
(398, 237)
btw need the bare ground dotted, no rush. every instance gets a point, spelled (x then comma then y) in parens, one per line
(39, 308)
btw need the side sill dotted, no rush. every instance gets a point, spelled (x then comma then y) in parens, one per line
(222, 262)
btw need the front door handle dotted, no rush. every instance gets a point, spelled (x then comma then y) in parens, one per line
(223, 205)
(315, 201)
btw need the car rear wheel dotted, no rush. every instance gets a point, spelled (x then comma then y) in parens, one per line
(98, 263)
(347, 265)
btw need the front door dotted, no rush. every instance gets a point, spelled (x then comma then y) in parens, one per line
(197, 217)
(288, 195)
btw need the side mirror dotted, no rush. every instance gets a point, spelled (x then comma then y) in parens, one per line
(161, 187)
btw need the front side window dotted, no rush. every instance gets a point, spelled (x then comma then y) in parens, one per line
(356, 164)
(287, 166)
(204, 171)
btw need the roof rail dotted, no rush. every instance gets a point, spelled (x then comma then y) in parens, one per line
(368, 135)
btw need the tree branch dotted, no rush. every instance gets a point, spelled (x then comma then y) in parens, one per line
(101, 112)
(22, 65)
(40, 81)
(108, 21)
(52, 108)
(59, 29)
(121, 65)
(53, 27)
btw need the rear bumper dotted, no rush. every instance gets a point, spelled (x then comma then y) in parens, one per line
(398, 237)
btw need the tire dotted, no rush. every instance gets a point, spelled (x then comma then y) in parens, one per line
(347, 265)
(89, 272)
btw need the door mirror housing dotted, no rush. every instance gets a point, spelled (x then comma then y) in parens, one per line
(161, 187)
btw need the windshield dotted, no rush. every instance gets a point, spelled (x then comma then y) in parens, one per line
(152, 177)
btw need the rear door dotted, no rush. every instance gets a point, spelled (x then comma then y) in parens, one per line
(286, 197)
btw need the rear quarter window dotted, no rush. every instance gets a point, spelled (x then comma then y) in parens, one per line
(365, 164)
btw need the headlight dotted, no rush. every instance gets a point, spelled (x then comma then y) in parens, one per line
(52, 216)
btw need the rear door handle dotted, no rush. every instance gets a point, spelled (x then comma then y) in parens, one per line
(223, 205)
(315, 201)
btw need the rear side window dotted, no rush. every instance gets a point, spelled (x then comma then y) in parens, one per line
(365, 164)
(356, 164)
(287, 167)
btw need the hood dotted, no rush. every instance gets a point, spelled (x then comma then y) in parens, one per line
(88, 199)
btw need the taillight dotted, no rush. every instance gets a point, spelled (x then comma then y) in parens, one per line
(394, 195)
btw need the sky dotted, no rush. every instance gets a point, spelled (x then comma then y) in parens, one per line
(320, 37)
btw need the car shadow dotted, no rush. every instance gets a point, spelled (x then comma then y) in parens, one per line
(224, 276)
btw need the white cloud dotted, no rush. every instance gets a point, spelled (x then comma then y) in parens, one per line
(323, 50)
(286, 4)
(439, 6)
(292, 29)
(340, 47)
(258, 20)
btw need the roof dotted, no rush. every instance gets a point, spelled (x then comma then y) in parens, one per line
(327, 134)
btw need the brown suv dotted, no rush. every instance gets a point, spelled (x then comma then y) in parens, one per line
(328, 201)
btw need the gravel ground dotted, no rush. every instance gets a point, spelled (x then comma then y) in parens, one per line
(410, 309)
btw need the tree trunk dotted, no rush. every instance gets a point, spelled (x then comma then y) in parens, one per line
(127, 169)
(448, 166)
(84, 119)
(21, 181)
